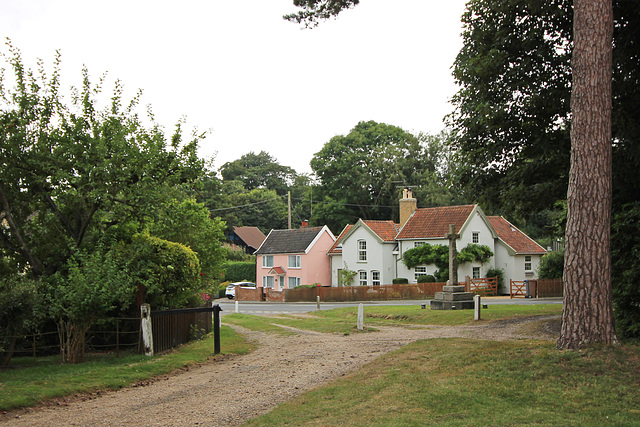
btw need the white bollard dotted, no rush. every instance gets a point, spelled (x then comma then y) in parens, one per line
(360, 317)
(318, 301)
(477, 306)
(147, 333)
(237, 311)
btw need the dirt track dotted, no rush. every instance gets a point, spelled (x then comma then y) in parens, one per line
(232, 390)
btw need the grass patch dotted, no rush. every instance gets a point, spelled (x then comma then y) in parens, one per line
(413, 314)
(336, 324)
(460, 382)
(28, 385)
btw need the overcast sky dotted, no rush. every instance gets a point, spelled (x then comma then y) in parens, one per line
(256, 81)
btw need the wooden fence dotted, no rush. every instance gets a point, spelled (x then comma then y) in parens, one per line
(484, 286)
(364, 293)
(548, 288)
(540, 288)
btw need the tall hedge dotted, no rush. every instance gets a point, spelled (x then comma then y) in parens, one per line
(237, 271)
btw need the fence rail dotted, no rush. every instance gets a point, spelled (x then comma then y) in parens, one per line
(174, 327)
(483, 286)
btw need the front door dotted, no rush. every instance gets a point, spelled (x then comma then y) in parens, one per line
(281, 281)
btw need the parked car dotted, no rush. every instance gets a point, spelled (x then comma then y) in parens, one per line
(231, 289)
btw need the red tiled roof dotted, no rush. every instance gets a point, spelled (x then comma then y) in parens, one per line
(516, 239)
(386, 230)
(432, 223)
(334, 249)
(277, 270)
(251, 236)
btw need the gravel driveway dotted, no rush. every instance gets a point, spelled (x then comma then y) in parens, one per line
(234, 389)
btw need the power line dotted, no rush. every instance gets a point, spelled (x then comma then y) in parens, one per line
(248, 204)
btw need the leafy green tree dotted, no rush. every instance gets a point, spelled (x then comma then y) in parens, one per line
(259, 171)
(367, 166)
(91, 285)
(69, 172)
(260, 207)
(626, 269)
(189, 223)
(18, 311)
(318, 10)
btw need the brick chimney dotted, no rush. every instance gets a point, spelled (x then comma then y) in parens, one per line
(408, 206)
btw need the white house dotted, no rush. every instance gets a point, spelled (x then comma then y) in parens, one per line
(368, 248)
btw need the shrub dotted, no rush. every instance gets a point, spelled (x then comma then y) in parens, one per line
(551, 265)
(400, 281)
(499, 273)
(426, 278)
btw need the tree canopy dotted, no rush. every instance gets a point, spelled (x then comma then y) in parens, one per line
(368, 166)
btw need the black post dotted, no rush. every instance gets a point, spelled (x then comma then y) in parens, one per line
(216, 328)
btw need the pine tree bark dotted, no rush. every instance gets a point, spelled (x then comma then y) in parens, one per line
(588, 316)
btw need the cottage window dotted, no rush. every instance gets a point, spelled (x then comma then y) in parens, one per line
(362, 250)
(268, 281)
(375, 278)
(527, 263)
(363, 278)
(293, 282)
(267, 260)
(476, 272)
(420, 271)
(418, 244)
(294, 261)
(475, 237)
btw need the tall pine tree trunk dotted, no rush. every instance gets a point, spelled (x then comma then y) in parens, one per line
(588, 316)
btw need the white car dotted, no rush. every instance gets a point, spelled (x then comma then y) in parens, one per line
(231, 289)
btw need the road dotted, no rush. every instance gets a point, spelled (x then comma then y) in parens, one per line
(258, 308)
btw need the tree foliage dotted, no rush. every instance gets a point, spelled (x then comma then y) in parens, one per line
(369, 165)
(259, 171)
(68, 172)
(551, 265)
(315, 11)
(18, 311)
(438, 255)
(625, 254)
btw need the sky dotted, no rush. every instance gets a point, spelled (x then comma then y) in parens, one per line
(250, 79)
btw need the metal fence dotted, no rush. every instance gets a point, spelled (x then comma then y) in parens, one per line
(174, 327)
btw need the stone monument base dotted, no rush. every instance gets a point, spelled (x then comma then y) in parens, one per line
(453, 298)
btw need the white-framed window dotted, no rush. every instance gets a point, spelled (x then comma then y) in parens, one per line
(268, 281)
(293, 282)
(475, 237)
(375, 278)
(362, 250)
(363, 278)
(476, 272)
(418, 244)
(527, 263)
(420, 271)
(294, 261)
(267, 260)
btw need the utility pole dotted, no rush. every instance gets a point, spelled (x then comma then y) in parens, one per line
(289, 194)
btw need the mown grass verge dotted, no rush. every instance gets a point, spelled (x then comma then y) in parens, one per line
(414, 314)
(338, 324)
(460, 382)
(28, 384)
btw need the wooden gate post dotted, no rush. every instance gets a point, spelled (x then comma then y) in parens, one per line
(147, 332)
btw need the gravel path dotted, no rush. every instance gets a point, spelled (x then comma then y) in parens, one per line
(230, 391)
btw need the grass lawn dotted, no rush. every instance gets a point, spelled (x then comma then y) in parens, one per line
(30, 384)
(463, 382)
